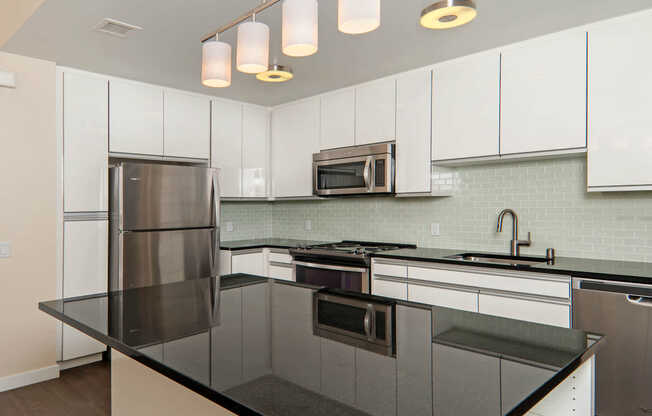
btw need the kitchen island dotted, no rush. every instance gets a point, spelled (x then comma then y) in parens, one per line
(245, 345)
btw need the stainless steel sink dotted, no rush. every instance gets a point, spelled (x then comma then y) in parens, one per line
(498, 259)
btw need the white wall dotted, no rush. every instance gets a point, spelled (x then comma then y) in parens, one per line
(28, 195)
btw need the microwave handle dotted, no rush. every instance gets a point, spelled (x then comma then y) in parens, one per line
(367, 173)
(369, 321)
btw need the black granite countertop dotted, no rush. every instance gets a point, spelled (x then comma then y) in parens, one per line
(623, 271)
(267, 242)
(225, 349)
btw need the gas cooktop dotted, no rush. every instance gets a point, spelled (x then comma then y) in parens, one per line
(346, 249)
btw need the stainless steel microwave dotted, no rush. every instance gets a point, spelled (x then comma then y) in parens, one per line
(367, 169)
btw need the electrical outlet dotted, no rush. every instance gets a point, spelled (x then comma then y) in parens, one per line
(229, 227)
(5, 250)
(308, 225)
(434, 229)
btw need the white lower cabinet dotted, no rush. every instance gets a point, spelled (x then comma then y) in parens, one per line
(447, 298)
(389, 289)
(525, 310)
(85, 272)
(250, 263)
(279, 264)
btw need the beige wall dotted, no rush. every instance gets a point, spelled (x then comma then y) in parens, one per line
(13, 13)
(28, 185)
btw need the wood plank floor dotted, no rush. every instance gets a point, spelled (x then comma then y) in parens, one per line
(78, 391)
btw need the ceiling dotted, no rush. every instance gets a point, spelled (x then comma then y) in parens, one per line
(168, 50)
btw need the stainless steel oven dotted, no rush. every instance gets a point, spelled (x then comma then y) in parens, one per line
(346, 277)
(366, 322)
(368, 169)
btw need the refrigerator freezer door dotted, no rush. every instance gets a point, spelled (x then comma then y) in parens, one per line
(167, 197)
(159, 257)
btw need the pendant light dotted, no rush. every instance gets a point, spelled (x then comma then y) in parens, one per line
(276, 73)
(447, 14)
(253, 47)
(300, 27)
(358, 16)
(216, 64)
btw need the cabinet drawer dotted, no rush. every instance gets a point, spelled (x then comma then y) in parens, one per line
(395, 270)
(530, 285)
(455, 299)
(389, 289)
(280, 272)
(280, 257)
(525, 310)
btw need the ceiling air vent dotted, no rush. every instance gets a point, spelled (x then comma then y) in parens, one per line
(115, 27)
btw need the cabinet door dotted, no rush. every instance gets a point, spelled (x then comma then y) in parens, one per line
(543, 93)
(375, 383)
(465, 383)
(375, 110)
(187, 125)
(85, 272)
(226, 153)
(389, 289)
(466, 107)
(281, 272)
(413, 112)
(620, 98)
(338, 371)
(295, 137)
(135, 118)
(447, 298)
(255, 134)
(525, 310)
(338, 119)
(250, 263)
(85, 142)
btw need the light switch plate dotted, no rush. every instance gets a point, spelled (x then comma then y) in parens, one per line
(434, 229)
(229, 227)
(308, 225)
(5, 250)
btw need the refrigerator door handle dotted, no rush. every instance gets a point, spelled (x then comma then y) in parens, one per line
(215, 246)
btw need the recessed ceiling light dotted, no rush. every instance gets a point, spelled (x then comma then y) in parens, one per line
(276, 73)
(115, 27)
(448, 13)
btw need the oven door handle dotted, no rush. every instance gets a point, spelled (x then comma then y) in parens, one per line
(329, 267)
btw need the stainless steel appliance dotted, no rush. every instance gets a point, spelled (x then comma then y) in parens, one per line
(164, 224)
(368, 169)
(343, 265)
(623, 312)
(366, 322)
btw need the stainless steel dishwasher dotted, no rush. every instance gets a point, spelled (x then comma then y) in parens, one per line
(623, 312)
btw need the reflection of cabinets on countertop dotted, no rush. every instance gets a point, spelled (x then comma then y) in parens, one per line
(533, 297)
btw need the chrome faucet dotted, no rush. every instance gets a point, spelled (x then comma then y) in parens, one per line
(515, 243)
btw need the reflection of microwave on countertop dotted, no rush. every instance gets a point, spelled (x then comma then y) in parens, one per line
(367, 169)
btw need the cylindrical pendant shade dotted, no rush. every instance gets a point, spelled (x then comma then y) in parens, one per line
(358, 16)
(216, 64)
(252, 55)
(300, 27)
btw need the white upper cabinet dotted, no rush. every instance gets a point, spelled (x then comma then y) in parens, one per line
(543, 93)
(620, 100)
(187, 125)
(338, 119)
(413, 165)
(466, 107)
(86, 142)
(135, 118)
(295, 137)
(227, 146)
(255, 151)
(375, 111)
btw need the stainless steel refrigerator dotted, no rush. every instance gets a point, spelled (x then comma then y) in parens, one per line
(164, 223)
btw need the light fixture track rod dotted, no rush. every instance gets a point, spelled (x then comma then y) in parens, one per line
(235, 22)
